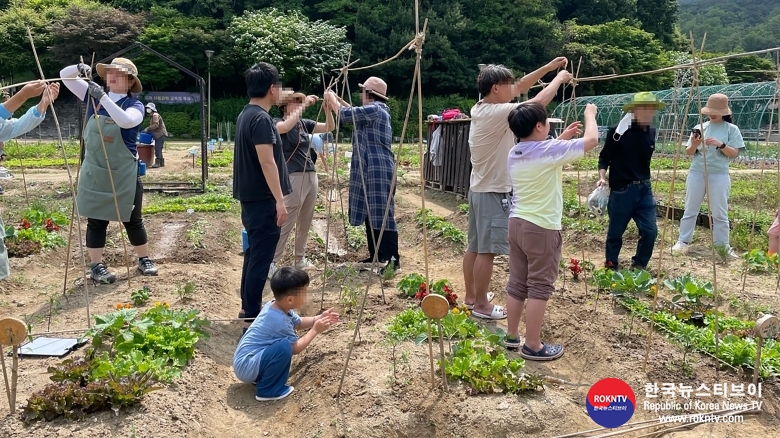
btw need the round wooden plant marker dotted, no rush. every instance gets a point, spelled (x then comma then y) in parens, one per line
(12, 332)
(766, 327)
(436, 307)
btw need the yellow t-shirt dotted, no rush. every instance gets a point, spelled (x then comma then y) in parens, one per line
(490, 141)
(536, 169)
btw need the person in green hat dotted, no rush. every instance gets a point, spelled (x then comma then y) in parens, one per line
(626, 154)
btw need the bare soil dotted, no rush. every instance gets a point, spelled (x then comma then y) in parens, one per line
(208, 401)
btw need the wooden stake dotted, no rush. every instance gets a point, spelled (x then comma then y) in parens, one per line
(14, 377)
(70, 177)
(430, 355)
(5, 377)
(442, 357)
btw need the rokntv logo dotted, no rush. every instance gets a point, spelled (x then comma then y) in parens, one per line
(611, 402)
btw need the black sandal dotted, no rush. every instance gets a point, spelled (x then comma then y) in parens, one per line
(548, 352)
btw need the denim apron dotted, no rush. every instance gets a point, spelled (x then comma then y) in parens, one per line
(94, 197)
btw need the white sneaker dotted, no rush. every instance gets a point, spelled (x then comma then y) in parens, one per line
(733, 254)
(679, 247)
(304, 264)
(272, 270)
(286, 392)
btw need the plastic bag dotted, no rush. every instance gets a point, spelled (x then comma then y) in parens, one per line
(598, 199)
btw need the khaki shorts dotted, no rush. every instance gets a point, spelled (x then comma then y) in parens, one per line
(488, 221)
(534, 255)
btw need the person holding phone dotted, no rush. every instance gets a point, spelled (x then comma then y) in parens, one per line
(714, 144)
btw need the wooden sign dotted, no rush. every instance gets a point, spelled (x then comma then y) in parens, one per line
(767, 327)
(436, 307)
(12, 332)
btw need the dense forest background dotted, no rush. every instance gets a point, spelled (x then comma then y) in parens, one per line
(305, 38)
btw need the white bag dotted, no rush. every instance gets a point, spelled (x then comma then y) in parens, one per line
(598, 199)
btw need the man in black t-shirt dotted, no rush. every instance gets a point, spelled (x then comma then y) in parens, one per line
(260, 182)
(298, 152)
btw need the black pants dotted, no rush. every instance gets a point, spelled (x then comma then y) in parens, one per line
(259, 220)
(136, 233)
(388, 247)
(158, 146)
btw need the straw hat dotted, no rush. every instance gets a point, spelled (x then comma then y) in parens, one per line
(717, 105)
(376, 86)
(644, 98)
(126, 66)
(288, 96)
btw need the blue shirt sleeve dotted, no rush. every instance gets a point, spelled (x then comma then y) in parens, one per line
(4, 113)
(296, 319)
(12, 128)
(735, 139)
(358, 113)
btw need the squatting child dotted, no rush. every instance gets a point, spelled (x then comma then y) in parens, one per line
(264, 353)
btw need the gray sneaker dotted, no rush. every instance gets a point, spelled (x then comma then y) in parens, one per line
(146, 266)
(100, 274)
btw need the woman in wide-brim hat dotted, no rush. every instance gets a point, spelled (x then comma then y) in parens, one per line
(713, 145)
(113, 123)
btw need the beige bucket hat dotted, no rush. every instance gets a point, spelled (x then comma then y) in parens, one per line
(717, 105)
(376, 86)
(126, 66)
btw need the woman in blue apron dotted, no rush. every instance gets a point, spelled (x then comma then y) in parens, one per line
(113, 126)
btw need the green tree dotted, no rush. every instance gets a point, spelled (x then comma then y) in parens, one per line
(301, 49)
(98, 29)
(184, 40)
(614, 48)
(732, 25)
(522, 34)
(659, 17)
(750, 69)
(709, 74)
(595, 11)
(17, 60)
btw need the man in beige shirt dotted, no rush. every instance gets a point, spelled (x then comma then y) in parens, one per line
(490, 141)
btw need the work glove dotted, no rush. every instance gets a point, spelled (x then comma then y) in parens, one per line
(84, 70)
(95, 91)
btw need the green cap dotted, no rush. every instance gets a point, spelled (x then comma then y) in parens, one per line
(645, 98)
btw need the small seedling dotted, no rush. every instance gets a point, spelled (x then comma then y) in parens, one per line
(356, 237)
(349, 298)
(140, 297)
(388, 274)
(186, 291)
(196, 234)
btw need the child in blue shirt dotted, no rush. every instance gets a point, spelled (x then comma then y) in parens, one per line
(265, 351)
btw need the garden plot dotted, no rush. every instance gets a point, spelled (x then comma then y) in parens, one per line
(387, 389)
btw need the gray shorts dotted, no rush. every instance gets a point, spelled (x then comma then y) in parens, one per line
(488, 222)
